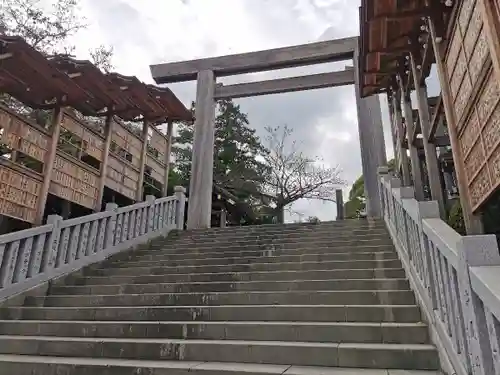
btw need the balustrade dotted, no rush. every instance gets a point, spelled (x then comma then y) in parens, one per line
(456, 278)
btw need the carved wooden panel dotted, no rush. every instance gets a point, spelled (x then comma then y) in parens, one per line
(157, 169)
(465, 13)
(479, 55)
(479, 139)
(18, 195)
(93, 144)
(20, 135)
(469, 134)
(475, 90)
(121, 177)
(74, 182)
(480, 187)
(128, 142)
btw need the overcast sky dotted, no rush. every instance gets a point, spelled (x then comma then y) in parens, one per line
(145, 32)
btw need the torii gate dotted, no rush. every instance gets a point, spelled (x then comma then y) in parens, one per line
(205, 72)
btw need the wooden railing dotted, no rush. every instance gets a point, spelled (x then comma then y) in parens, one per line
(456, 279)
(33, 256)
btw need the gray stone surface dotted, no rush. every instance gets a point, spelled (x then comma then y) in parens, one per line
(198, 309)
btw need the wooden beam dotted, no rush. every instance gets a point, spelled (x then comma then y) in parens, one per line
(435, 118)
(279, 58)
(416, 170)
(108, 131)
(439, 141)
(5, 56)
(282, 85)
(48, 166)
(143, 157)
(431, 159)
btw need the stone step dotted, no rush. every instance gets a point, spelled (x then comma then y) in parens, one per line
(367, 273)
(44, 365)
(391, 333)
(265, 257)
(297, 313)
(279, 243)
(344, 297)
(280, 228)
(269, 238)
(283, 266)
(225, 286)
(222, 253)
(383, 356)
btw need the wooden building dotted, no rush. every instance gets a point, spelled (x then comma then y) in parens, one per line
(400, 42)
(73, 138)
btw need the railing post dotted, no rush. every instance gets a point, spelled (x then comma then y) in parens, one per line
(180, 195)
(476, 251)
(151, 213)
(382, 173)
(110, 225)
(52, 243)
(428, 210)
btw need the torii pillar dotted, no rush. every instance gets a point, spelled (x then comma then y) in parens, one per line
(372, 143)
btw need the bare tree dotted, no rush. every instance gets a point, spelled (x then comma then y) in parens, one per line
(101, 57)
(46, 29)
(293, 175)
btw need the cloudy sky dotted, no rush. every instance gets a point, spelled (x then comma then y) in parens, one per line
(145, 32)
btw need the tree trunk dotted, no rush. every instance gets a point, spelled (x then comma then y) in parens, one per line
(280, 215)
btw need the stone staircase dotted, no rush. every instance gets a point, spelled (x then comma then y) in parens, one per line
(263, 300)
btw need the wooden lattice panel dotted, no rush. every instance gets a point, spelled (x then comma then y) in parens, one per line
(121, 177)
(18, 195)
(157, 169)
(127, 141)
(93, 144)
(22, 136)
(159, 143)
(74, 183)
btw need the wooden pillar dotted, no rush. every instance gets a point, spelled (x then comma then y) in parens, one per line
(398, 124)
(168, 151)
(104, 164)
(200, 186)
(48, 166)
(371, 137)
(142, 166)
(414, 158)
(472, 222)
(431, 159)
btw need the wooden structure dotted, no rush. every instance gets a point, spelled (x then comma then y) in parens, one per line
(205, 72)
(399, 43)
(71, 156)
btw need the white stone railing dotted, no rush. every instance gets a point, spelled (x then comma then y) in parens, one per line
(456, 279)
(33, 256)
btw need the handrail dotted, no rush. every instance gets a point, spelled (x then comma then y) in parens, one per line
(456, 279)
(37, 255)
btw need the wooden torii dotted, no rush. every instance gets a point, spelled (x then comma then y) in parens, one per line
(205, 72)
